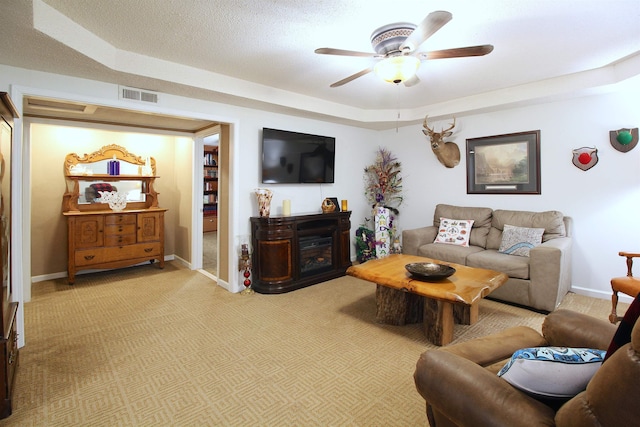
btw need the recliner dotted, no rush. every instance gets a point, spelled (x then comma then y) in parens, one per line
(461, 388)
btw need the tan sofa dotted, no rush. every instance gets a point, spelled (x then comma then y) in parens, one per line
(538, 281)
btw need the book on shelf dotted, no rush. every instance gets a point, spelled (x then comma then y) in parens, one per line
(210, 160)
(210, 198)
(211, 210)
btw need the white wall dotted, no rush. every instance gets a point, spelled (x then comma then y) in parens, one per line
(354, 150)
(603, 201)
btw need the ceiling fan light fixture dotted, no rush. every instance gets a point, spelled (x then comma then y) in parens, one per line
(397, 69)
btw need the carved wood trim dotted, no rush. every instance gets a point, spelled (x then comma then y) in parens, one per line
(105, 153)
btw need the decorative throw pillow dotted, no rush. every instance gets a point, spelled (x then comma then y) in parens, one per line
(454, 231)
(520, 240)
(556, 372)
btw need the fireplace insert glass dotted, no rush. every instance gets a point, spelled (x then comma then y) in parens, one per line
(315, 254)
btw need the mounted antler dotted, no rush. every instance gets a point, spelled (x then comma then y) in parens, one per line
(447, 153)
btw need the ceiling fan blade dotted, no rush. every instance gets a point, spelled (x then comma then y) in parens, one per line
(457, 52)
(331, 51)
(352, 77)
(412, 81)
(429, 25)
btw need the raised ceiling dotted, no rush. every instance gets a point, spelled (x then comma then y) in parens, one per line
(261, 53)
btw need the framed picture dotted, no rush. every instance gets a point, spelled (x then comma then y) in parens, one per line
(335, 202)
(504, 164)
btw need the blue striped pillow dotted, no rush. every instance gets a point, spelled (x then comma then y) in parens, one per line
(519, 240)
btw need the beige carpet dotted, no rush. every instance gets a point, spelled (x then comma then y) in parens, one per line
(149, 347)
(210, 252)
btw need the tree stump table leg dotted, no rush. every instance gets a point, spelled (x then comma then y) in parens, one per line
(466, 314)
(438, 321)
(395, 307)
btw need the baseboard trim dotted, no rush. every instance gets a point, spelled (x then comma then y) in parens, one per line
(600, 294)
(63, 274)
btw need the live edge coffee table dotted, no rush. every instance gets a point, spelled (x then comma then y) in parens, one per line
(402, 299)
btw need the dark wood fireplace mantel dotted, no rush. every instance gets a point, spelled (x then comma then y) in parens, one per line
(291, 252)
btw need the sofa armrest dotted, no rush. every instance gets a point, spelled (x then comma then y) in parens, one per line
(413, 239)
(567, 328)
(550, 272)
(469, 395)
(490, 349)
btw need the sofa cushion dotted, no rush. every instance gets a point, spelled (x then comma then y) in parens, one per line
(481, 220)
(450, 253)
(519, 240)
(551, 221)
(454, 231)
(558, 372)
(491, 259)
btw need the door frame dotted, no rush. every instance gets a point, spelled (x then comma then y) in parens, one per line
(198, 188)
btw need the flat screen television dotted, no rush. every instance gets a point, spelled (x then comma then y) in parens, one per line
(293, 157)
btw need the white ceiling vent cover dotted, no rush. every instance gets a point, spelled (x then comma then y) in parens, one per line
(138, 94)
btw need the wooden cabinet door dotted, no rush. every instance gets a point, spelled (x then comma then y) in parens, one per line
(88, 232)
(275, 261)
(150, 226)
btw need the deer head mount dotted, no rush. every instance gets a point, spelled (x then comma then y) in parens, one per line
(447, 153)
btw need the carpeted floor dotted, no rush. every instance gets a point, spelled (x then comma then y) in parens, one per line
(210, 252)
(149, 347)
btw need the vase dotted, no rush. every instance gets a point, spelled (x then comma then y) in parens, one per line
(264, 196)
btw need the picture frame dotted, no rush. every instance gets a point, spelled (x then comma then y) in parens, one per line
(335, 202)
(504, 164)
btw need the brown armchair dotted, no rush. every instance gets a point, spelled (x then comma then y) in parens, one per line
(461, 388)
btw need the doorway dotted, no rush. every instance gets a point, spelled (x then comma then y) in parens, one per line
(211, 171)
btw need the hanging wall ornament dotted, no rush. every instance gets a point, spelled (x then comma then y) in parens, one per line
(585, 158)
(624, 139)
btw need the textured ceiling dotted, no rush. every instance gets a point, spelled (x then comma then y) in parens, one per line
(261, 53)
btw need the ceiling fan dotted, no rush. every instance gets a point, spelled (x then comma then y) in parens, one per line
(396, 44)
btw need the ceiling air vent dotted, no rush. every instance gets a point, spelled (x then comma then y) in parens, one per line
(138, 94)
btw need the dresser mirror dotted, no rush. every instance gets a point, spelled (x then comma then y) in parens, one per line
(89, 190)
(6, 131)
(93, 173)
(9, 351)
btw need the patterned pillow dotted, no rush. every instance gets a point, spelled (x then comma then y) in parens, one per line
(454, 231)
(557, 372)
(519, 240)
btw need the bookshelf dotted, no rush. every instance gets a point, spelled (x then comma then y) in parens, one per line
(210, 189)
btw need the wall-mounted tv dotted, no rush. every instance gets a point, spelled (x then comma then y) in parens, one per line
(293, 157)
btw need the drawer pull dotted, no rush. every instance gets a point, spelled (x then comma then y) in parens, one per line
(89, 257)
(148, 249)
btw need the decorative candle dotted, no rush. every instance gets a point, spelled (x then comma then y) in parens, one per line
(286, 207)
(345, 205)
